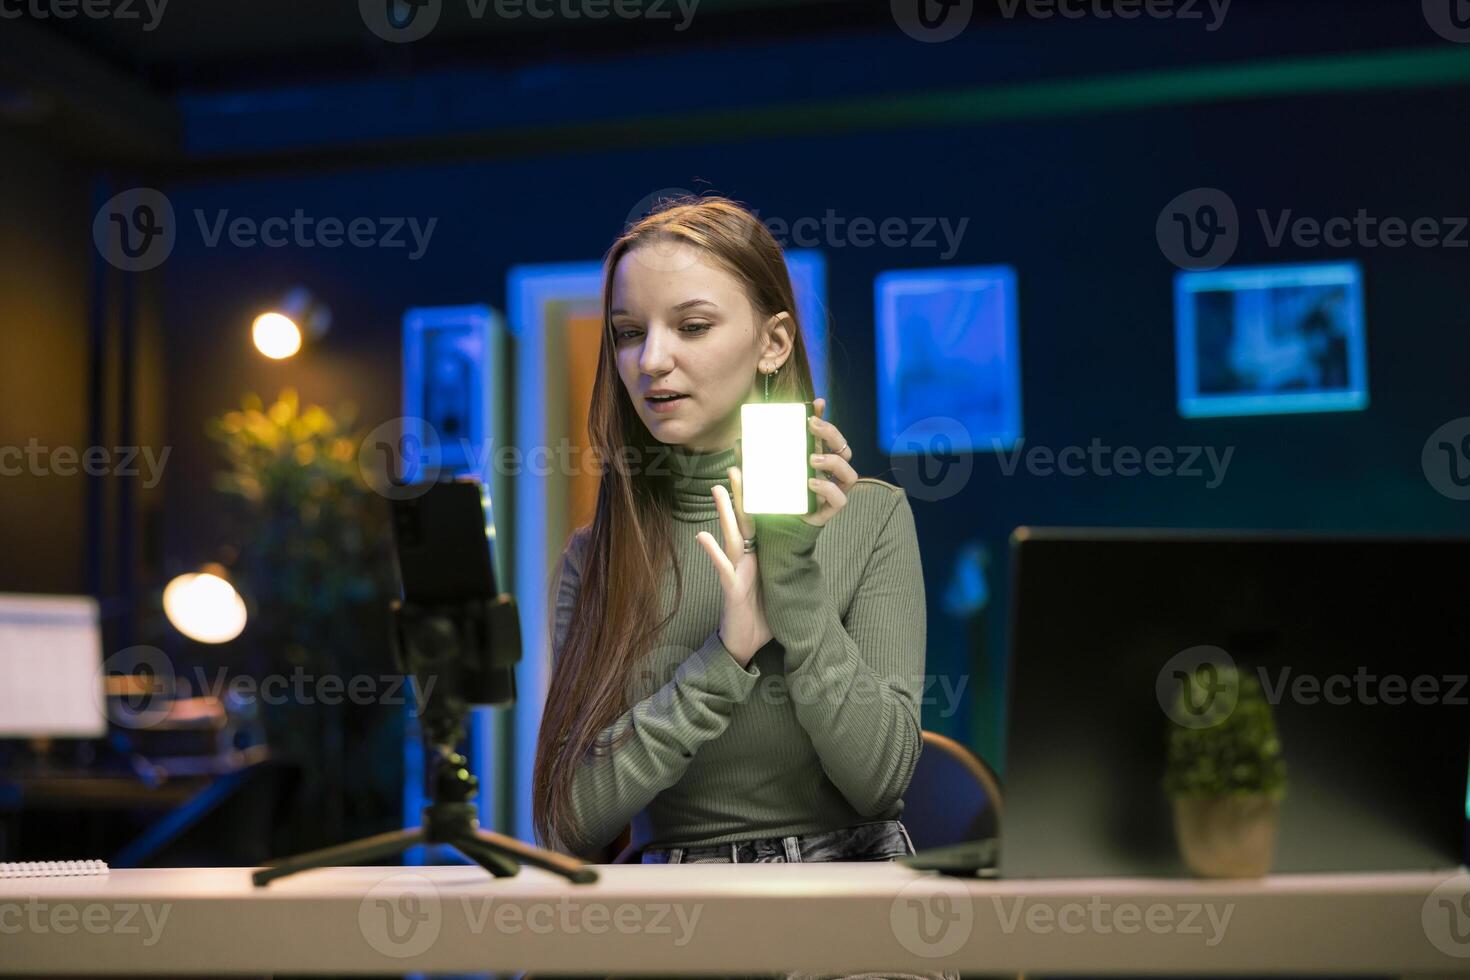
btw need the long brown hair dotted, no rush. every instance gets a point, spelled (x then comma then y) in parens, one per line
(628, 541)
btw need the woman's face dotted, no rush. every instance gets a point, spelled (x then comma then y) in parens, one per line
(683, 324)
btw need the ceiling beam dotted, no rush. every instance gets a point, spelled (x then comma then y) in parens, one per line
(100, 112)
(1118, 92)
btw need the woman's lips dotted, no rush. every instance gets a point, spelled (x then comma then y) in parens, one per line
(664, 406)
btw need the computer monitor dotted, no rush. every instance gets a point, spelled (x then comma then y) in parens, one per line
(1375, 772)
(51, 667)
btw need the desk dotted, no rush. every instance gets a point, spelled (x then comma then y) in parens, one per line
(690, 919)
(187, 789)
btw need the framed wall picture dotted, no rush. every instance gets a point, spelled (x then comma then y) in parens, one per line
(1271, 339)
(949, 359)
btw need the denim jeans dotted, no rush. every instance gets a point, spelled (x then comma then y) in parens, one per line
(882, 840)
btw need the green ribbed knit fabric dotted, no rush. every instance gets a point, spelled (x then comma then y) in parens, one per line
(820, 731)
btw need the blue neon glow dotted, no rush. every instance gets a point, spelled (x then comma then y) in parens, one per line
(808, 271)
(1271, 339)
(450, 358)
(949, 359)
(530, 290)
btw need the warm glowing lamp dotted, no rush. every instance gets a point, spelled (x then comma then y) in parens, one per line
(204, 606)
(276, 335)
(280, 332)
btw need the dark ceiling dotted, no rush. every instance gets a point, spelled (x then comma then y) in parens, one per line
(210, 45)
(215, 45)
(107, 87)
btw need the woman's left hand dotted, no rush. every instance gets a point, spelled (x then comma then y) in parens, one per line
(831, 492)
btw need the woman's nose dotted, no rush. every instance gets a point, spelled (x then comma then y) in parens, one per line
(655, 357)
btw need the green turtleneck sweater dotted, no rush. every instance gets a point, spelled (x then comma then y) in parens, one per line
(819, 731)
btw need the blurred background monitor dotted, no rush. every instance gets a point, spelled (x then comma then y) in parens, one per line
(1375, 776)
(50, 667)
(949, 362)
(1269, 339)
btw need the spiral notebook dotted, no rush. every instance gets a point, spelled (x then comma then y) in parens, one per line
(51, 869)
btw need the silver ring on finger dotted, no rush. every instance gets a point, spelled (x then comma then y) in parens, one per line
(749, 545)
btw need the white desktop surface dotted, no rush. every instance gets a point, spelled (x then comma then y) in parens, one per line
(728, 918)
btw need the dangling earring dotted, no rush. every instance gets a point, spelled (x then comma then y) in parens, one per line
(768, 384)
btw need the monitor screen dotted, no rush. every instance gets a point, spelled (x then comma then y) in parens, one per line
(51, 667)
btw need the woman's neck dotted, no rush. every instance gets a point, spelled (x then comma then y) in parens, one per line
(693, 476)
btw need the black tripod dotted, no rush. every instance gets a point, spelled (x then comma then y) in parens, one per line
(434, 643)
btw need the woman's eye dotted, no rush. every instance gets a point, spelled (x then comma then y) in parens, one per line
(633, 333)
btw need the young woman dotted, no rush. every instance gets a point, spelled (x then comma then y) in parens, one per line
(739, 687)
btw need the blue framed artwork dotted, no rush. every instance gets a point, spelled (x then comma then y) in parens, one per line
(451, 354)
(1271, 339)
(949, 359)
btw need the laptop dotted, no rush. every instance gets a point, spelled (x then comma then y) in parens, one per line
(1361, 645)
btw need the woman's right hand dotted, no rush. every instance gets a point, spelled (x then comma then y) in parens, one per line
(743, 627)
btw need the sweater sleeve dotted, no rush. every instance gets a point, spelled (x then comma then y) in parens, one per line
(854, 684)
(668, 727)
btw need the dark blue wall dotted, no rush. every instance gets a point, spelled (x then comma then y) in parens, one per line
(1071, 202)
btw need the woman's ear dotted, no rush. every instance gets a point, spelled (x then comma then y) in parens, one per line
(780, 339)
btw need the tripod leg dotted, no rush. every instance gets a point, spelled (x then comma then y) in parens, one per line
(578, 872)
(353, 852)
(486, 857)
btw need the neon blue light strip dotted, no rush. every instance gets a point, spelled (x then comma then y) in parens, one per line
(481, 736)
(529, 288)
(808, 269)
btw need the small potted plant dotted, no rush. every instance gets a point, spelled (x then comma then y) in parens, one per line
(1226, 774)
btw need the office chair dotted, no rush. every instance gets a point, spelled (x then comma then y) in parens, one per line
(953, 797)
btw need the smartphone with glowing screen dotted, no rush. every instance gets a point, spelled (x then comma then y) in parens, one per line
(776, 446)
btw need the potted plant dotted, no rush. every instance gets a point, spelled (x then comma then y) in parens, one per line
(1226, 774)
(314, 559)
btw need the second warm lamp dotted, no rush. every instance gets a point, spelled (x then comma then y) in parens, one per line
(279, 332)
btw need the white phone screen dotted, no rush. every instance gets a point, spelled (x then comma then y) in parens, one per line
(774, 450)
